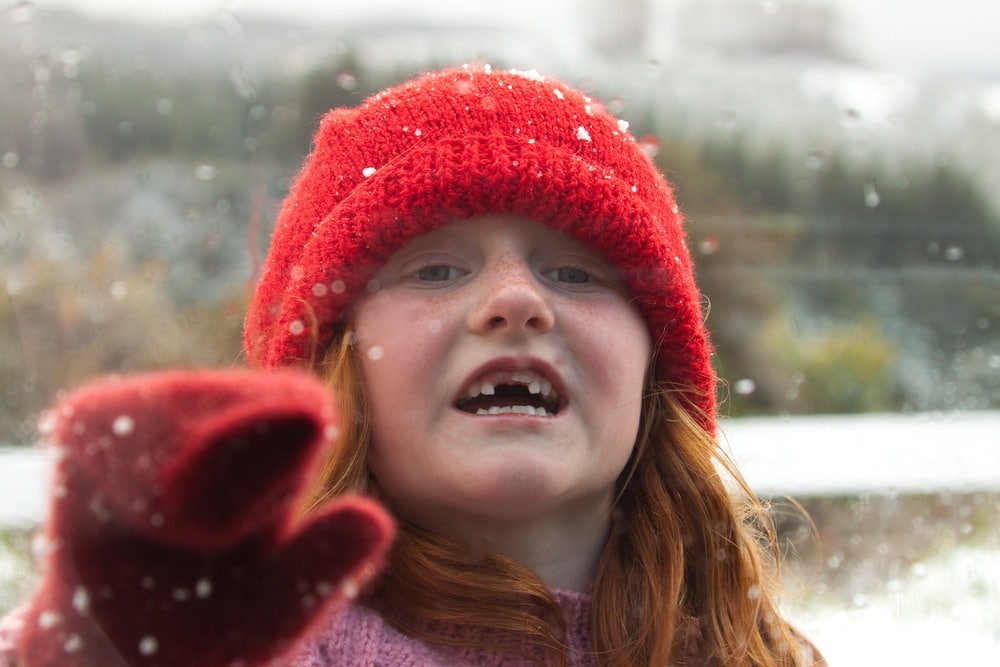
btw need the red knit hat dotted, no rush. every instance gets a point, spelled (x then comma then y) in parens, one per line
(459, 143)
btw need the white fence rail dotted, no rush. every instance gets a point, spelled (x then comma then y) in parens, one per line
(796, 456)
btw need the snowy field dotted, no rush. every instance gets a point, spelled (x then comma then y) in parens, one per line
(942, 607)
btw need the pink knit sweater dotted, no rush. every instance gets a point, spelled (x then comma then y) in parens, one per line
(359, 637)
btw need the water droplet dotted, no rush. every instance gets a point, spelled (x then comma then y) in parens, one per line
(49, 619)
(180, 594)
(123, 426)
(851, 118)
(953, 253)
(119, 290)
(815, 160)
(709, 245)
(98, 508)
(582, 134)
(338, 286)
(204, 172)
(148, 645)
(81, 600)
(650, 145)
(349, 588)
(347, 81)
(434, 326)
(319, 290)
(73, 643)
(22, 12)
(42, 546)
(376, 352)
(744, 386)
(368, 172)
(47, 423)
(203, 588)
(11, 159)
(872, 197)
(296, 327)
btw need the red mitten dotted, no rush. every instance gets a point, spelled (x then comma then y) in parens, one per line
(173, 538)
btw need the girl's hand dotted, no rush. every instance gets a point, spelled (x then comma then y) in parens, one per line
(174, 538)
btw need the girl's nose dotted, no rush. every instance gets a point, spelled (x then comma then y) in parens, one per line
(512, 301)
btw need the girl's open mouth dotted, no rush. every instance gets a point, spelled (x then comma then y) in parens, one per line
(511, 392)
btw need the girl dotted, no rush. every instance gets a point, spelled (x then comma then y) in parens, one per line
(491, 276)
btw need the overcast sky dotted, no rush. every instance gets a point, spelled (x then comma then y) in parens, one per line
(893, 33)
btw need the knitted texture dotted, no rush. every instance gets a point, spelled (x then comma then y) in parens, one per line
(361, 637)
(173, 538)
(459, 143)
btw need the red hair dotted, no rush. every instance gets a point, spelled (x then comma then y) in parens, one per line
(688, 575)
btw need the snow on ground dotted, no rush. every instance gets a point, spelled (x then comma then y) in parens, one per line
(947, 612)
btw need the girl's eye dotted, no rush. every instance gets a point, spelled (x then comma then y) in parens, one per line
(438, 273)
(569, 274)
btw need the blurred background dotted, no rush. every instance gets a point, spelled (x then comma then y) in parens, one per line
(838, 162)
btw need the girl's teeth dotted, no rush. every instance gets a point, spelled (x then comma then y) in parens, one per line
(534, 384)
(518, 409)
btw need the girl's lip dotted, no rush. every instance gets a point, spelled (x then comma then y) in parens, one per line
(510, 366)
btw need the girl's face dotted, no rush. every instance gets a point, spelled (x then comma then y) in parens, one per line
(504, 366)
